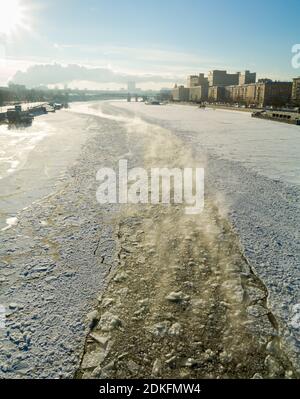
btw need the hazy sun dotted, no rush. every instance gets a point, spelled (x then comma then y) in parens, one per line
(12, 16)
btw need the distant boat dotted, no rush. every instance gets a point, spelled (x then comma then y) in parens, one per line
(152, 102)
(16, 116)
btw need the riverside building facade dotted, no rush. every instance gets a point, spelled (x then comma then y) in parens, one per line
(296, 91)
(238, 88)
(260, 94)
(198, 88)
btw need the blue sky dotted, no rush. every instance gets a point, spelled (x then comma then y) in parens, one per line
(166, 38)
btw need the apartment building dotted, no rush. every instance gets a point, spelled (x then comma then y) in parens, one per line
(198, 93)
(198, 86)
(180, 93)
(244, 94)
(197, 80)
(247, 77)
(216, 93)
(261, 94)
(240, 87)
(193, 81)
(222, 78)
(296, 91)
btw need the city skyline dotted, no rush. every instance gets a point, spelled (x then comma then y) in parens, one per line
(153, 44)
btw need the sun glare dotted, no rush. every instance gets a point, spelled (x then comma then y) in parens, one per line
(12, 16)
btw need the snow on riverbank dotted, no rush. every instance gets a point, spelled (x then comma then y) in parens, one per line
(267, 147)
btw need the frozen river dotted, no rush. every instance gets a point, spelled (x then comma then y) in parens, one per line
(252, 168)
(33, 159)
(270, 148)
